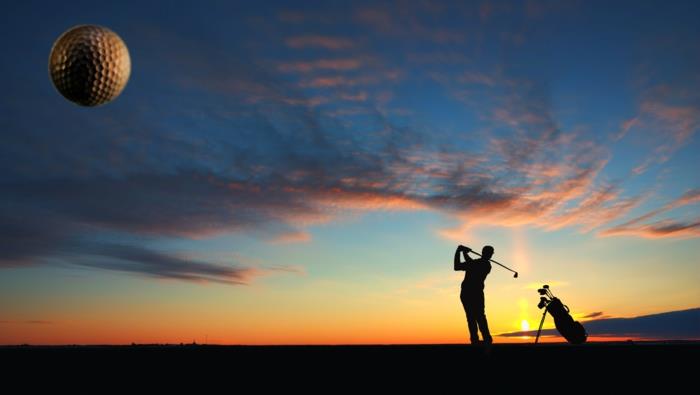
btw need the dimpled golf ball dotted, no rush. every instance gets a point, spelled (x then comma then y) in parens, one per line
(89, 65)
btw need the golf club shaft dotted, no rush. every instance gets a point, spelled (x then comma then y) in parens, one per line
(499, 264)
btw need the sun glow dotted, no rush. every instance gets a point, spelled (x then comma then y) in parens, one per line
(524, 326)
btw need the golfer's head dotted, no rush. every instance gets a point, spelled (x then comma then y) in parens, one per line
(487, 252)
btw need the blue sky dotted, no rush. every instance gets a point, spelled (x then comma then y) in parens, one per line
(281, 145)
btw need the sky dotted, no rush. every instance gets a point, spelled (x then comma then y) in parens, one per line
(301, 172)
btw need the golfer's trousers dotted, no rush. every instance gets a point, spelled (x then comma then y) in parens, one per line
(473, 302)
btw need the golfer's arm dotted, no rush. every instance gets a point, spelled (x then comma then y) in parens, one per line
(467, 258)
(459, 265)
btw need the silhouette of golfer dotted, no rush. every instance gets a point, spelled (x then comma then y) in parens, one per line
(472, 295)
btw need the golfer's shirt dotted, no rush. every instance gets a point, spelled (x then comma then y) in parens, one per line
(475, 273)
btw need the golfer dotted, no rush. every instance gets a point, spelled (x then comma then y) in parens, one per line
(472, 294)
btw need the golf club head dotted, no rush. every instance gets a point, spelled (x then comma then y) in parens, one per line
(515, 275)
(543, 302)
(541, 291)
(545, 286)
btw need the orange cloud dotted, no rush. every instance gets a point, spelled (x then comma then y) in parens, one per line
(662, 228)
(327, 42)
(625, 128)
(292, 237)
(346, 200)
(301, 101)
(321, 64)
(658, 230)
(339, 80)
(553, 191)
(360, 96)
(668, 125)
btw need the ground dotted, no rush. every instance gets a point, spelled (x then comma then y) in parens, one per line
(519, 366)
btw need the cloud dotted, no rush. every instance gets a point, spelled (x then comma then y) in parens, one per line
(188, 204)
(292, 237)
(146, 262)
(673, 325)
(543, 187)
(625, 128)
(593, 315)
(668, 118)
(639, 226)
(220, 142)
(155, 264)
(332, 81)
(469, 77)
(485, 10)
(294, 269)
(550, 177)
(537, 175)
(414, 22)
(138, 179)
(659, 229)
(320, 64)
(357, 97)
(325, 42)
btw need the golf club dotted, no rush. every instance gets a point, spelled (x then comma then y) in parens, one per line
(499, 264)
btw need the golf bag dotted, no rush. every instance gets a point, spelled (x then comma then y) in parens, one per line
(571, 330)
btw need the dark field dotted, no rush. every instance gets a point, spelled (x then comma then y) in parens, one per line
(669, 364)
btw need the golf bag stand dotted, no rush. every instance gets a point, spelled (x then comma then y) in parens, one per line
(539, 330)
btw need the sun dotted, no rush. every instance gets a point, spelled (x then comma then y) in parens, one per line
(524, 326)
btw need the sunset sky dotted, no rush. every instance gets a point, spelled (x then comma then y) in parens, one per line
(301, 172)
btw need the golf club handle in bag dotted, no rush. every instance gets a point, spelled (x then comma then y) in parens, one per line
(497, 263)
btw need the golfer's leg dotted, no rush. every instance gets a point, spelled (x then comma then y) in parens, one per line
(471, 319)
(471, 322)
(481, 318)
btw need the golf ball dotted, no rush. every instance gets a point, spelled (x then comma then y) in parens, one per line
(89, 65)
